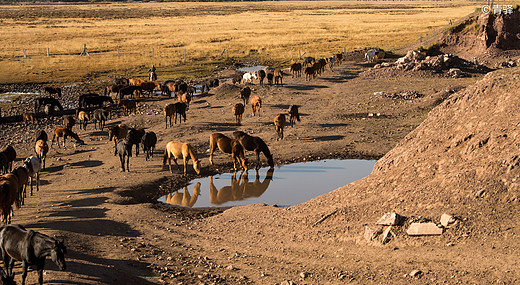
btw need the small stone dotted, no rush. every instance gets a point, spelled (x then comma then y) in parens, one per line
(415, 273)
(423, 229)
(389, 219)
(447, 220)
(372, 232)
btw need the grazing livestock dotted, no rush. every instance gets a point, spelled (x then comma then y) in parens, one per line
(149, 140)
(135, 81)
(255, 144)
(10, 154)
(121, 81)
(124, 150)
(99, 116)
(308, 60)
(69, 121)
(238, 110)
(186, 99)
(245, 93)
(58, 133)
(150, 86)
(47, 101)
(339, 58)
(134, 136)
(296, 69)
(279, 123)
(128, 105)
(41, 148)
(8, 195)
(278, 76)
(249, 76)
(256, 104)
(293, 114)
(83, 119)
(29, 117)
(52, 90)
(209, 83)
(22, 174)
(227, 145)
(175, 150)
(129, 90)
(171, 110)
(93, 100)
(168, 88)
(261, 76)
(114, 88)
(117, 133)
(270, 77)
(31, 248)
(370, 55)
(34, 166)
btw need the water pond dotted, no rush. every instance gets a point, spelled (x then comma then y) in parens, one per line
(286, 185)
(11, 96)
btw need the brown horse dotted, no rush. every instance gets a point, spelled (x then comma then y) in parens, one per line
(58, 133)
(238, 110)
(171, 110)
(135, 81)
(245, 93)
(129, 106)
(29, 117)
(296, 69)
(22, 174)
(185, 151)
(227, 145)
(83, 119)
(278, 76)
(294, 115)
(186, 99)
(255, 144)
(279, 123)
(256, 104)
(41, 148)
(9, 191)
(10, 154)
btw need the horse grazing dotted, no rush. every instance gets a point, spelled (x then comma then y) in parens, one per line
(83, 119)
(255, 144)
(278, 76)
(185, 151)
(245, 93)
(171, 110)
(42, 135)
(58, 133)
(370, 55)
(10, 154)
(248, 77)
(117, 133)
(31, 248)
(124, 150)
(227, 145)
(135, 136)
(41, 148)
(149, 140)
(238, 110)
(279, 123)
(44, 101)
(294, 115)
(296, 69)
(256, 104)
(99, 116)
(52, 90)
(69, 121)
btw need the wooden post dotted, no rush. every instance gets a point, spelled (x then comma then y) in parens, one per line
(269, 53)
(84, 52)
(226, 53)
(386, 45)
(185, 54)
(47, 52)
(24, 53)
(153, 52)
(117, 51)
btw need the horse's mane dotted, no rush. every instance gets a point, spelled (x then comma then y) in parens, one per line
(193, 153)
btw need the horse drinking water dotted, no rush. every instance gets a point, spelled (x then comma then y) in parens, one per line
(31, 248)
(185, 151)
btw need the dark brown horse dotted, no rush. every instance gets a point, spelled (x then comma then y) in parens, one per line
(245, 93)
(31, 248)
(52, 90)
(255, 144)
(227, 145)
(58, 133)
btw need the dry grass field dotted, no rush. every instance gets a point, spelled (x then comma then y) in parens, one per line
(127, 38)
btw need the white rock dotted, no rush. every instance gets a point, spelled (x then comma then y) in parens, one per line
(447, 220)
(389, 219)
(424, 229)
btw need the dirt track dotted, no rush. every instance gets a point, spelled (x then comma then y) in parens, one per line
(117, 234)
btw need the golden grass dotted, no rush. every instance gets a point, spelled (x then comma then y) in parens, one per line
(251, 30)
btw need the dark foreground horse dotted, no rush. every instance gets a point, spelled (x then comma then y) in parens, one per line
(43, 101)
(31, 248)
(135, 136)
(149, 140)
(255, 144)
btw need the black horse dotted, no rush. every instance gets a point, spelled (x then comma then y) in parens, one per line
(149, 140)
(93, 100)
(52, 90)
(99, 116)
(135, 136)
(31, 248)
(207, 84)
(121, 81)
(124, 149)
(44, 101)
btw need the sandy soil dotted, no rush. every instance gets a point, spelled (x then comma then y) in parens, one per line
(117, 234)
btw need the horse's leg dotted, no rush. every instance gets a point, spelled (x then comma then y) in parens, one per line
(185, 160)
(24, 271)
(257, 158)
(212, 146)
(127, 162)
(39, 267)
(37, 181)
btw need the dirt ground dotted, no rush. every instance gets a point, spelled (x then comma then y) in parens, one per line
(116, 232)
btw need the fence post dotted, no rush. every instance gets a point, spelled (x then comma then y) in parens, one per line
(47, 52)
(184, 53)
(153, 52)
(117, 51)
(269, 53)
(300, 54)
(226, 53)
(24, 53)
(84, 52)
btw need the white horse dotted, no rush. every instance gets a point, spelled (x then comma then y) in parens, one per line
(370, 55)
(248, 77)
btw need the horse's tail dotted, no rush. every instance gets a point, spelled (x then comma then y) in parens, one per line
(166, 154)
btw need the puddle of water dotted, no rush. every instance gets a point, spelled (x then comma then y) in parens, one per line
(11, 96)
(251, 68)
(284, 186)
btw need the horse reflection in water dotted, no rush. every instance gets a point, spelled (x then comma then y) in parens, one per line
(240, 189)
(184, 199)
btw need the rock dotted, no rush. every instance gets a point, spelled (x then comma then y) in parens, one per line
(402, 60)
(372, 232)
(455, 72)
(389, 219)
(304, 275)
(415, 273)
(423, 229)
(287, 282)
(387, 235)
(447, 220)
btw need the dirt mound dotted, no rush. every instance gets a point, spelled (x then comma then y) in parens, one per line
(226, 90)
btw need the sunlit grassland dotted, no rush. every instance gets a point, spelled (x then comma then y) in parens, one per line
(127, 38)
